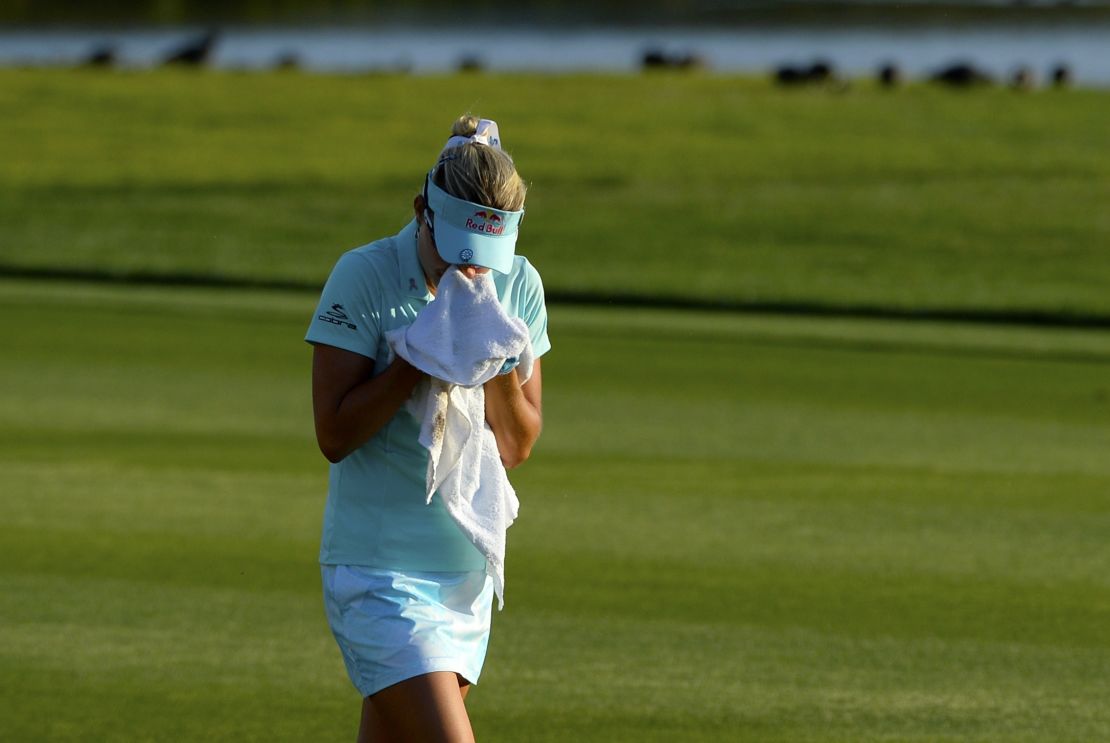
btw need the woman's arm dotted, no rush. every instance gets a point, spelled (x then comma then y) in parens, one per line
(348, 405)
(515, 414)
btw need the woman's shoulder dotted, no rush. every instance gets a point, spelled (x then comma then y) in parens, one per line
(369, 255)
(377, 259)
(525, 272)
(522, 286)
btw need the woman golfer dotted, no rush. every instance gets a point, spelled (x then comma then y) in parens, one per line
(406, 591)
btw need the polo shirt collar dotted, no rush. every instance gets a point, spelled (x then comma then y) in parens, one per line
(411, 276)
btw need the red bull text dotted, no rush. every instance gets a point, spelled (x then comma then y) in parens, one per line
(487, 222)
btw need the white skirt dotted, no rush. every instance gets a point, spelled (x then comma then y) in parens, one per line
(393, 625)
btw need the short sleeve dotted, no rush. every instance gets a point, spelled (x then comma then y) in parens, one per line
(346, 316)
(533, 310)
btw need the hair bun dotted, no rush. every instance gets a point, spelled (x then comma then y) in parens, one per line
(465, 126)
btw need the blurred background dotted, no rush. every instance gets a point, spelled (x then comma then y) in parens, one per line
(1033, 37)
(827, 416)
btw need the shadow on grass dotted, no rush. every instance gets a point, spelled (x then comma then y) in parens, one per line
(1035, 318)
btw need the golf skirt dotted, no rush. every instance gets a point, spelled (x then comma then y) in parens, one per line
(393, 625)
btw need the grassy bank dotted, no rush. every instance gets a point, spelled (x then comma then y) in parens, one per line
(710, 188)
(734, 528)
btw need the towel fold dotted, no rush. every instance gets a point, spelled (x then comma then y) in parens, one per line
(462, 340)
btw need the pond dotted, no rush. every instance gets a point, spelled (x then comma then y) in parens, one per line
(998, 49)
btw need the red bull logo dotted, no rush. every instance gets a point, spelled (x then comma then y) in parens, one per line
(488, 222)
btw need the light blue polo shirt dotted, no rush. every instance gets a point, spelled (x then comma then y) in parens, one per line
(376, 514)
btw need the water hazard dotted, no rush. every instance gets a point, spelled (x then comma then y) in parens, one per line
(998, 50)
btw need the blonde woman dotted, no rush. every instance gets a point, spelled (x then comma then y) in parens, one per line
(407, 594)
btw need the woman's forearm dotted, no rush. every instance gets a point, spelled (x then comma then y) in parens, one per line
(515, 419)
(349, 421)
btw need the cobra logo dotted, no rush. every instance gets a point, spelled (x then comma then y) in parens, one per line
(486, 222)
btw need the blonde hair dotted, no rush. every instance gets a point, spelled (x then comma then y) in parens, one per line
(479, 173)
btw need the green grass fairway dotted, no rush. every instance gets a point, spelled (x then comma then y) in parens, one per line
(734, 528)
(699, 187)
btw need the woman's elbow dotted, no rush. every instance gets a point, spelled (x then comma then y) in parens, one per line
(515, 450)
(333, 449)
(331, 453)
(515, 454)
(513, 461)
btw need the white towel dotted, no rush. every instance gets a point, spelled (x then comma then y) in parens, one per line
(462, 340)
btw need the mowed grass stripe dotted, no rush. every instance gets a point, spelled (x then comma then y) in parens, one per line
(734, 528)
(139, 661)
(712, 188)
(655, 677)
